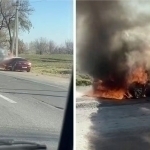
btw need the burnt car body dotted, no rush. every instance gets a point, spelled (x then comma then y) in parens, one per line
(16, 63)
(138, 90)
(135, 90)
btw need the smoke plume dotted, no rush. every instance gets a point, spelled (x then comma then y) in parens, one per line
(112, 36)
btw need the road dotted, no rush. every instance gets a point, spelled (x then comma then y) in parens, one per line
(31, 110)
(107, 125)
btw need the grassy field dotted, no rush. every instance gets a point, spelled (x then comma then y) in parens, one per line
(83, 80)
(54, 64)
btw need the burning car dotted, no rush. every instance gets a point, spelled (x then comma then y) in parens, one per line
(16, 63)
(138, 90)
(135, 90)
(136, 85)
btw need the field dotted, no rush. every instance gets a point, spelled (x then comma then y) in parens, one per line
(82, 79)
(54, 64)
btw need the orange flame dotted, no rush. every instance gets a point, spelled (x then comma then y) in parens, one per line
(137, 74)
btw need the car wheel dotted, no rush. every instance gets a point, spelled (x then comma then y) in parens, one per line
(13, 68)
(136, 90)
(28, 70)
(147, 89)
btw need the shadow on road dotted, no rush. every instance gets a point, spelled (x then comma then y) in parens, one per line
(120, 126)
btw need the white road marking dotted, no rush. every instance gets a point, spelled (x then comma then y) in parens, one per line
(7, 99)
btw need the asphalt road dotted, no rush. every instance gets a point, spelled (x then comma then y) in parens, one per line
(31, 111)
(113, 125)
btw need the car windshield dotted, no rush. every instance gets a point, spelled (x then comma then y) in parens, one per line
(36, 58)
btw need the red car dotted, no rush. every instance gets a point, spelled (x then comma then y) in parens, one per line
(16, 63)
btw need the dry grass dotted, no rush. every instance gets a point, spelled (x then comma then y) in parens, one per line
(55, 64)
(83, 80)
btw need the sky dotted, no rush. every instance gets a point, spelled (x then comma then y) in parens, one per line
(51, 19)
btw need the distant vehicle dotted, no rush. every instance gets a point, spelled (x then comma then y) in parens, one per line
(16, 63)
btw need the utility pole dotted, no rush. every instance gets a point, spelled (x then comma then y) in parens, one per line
(17, 4)
(13, 40)
(15, 32)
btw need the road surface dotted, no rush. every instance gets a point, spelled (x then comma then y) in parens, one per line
(31, 110)
(112, 125)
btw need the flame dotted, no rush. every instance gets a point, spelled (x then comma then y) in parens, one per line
(111, 90)
(111, 94)
(139, 75)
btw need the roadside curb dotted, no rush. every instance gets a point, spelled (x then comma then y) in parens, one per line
(86, 104)
(83, 101)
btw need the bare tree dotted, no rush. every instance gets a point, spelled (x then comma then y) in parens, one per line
(7, 16)
(51, 46)
(3, 39)
(21, 46)
(32, 48)
(69, 47)
(41, 45)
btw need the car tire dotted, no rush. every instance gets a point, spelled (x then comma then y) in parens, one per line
(136, 90)
(13, 68)
(28, 70)
(147, 89)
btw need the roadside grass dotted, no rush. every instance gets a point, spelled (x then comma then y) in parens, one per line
(54, 64)
(83, 80)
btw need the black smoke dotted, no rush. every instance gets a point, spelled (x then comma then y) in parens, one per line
(109, 37)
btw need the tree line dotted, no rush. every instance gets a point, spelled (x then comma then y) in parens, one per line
(44, 46)
(38, 46)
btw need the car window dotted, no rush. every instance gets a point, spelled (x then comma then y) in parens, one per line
(11, 61)
(8, 61)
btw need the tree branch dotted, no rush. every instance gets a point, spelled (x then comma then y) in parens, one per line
(7, 25)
